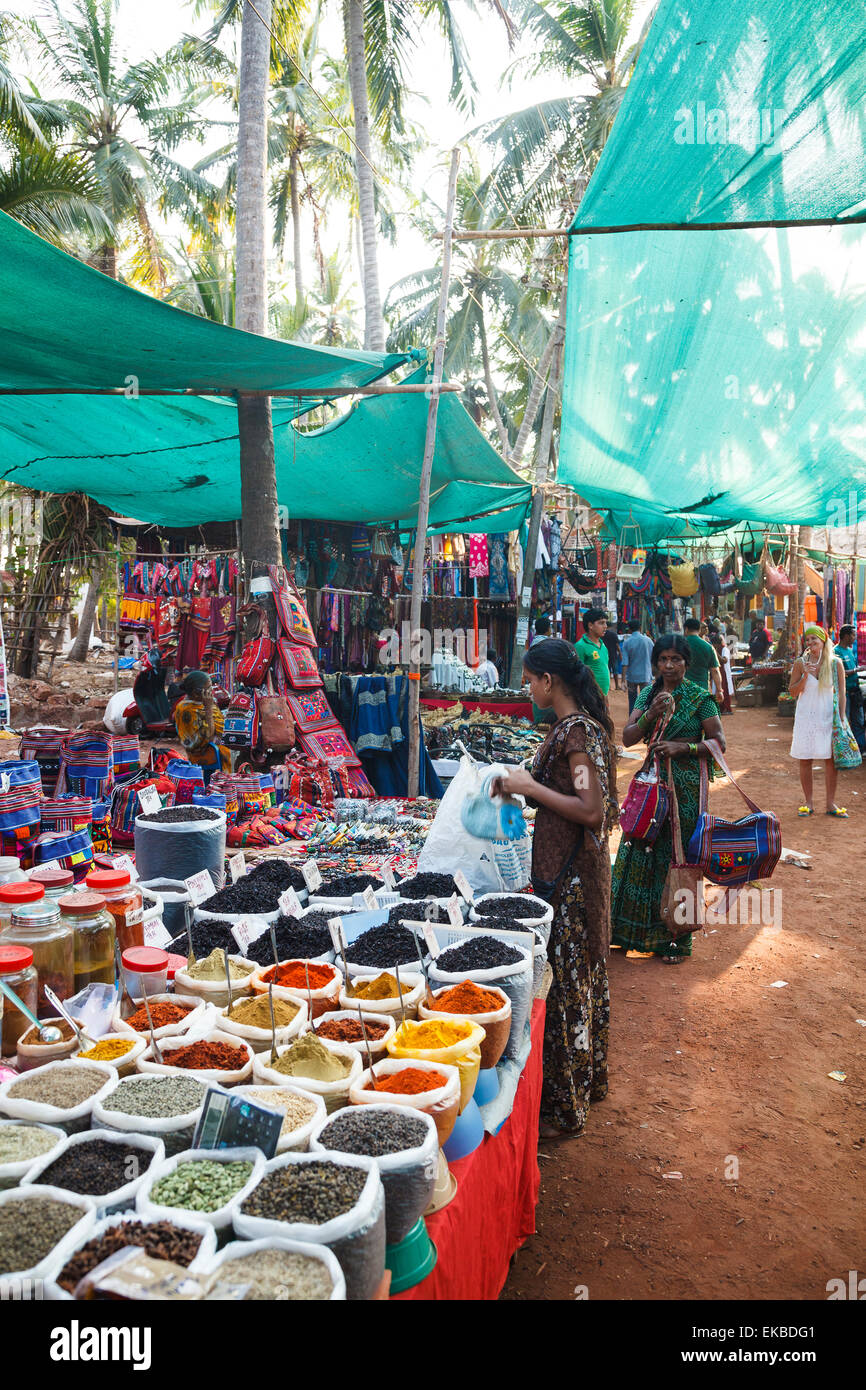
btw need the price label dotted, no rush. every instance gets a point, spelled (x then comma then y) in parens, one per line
(156, 934)
(248, 930)
(50, 864)
(455, 911)
(371, 902)
(388, 878)
(237, 866)
(335, 927)
(200, 886)
(312, 877)
(430, 941)
(123, 861)
(290, 903)
(463, 885)
(526, 597)
(148, 800)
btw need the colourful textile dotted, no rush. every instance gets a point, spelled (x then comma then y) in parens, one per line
(299, 665)
(202, 745)
(310, 710)
(330, 746)
(478, 558)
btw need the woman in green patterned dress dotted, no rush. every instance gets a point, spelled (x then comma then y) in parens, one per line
(640, 870)
(573, 787)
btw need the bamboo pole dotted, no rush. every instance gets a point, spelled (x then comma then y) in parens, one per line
(542, 457)
(414, 762)
(302, 392)
(521, 233)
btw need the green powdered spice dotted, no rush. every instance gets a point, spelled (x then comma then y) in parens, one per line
(309, 1057)
(213, 967)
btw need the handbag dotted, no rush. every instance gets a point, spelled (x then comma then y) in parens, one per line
(846, 753)
(255, 661)
(733, 853)
(683, 883)
(647, 801)
(275, 723)
(752, 580)
(684, 579)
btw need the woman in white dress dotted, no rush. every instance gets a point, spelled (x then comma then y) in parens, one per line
(812, 681)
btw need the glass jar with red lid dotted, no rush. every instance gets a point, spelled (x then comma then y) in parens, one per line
(56, 882)
(94, 933)
(124, 901)
(36, 923)
(12, 895)
(19, 973)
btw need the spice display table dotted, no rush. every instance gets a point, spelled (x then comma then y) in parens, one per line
(493, 1211)
(520, 709)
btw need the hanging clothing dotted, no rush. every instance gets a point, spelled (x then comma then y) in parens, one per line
(478, 558)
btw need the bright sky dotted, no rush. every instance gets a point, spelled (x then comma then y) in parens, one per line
(152, 26)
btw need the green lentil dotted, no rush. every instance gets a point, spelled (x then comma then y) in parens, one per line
(201, 1184)
(278, 1274)
(20, 1142)
(156, 1097)
(309, 1192)
(29, 1230)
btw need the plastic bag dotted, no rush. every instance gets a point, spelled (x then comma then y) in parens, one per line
(296, 1140)
(204, 1255)
(496, 1024)
(179, 849)
(465, 1055)
(334, 1093)
(215, 1075)
(543, 923)
(175, 1131)
(240, 1249)
(357, 1237)
(222, 1216)
(74, 1237)
(13, 1173)
(408, 1176)
(72, 1120)
(376, 1045)
(216, 992)
(122, 1198)
(448, 847)
(442, 1103)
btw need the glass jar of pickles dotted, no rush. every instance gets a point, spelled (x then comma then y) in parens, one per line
(38, 925)
(123, 900)
(19, 973)
(93, 937)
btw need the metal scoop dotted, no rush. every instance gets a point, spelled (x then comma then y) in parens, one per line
(82, 1038)
(48, 1034)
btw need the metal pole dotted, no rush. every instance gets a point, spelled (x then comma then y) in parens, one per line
(542, 457)
(116, 620)
(424, 489)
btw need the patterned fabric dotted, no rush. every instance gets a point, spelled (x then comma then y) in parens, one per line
(86, 765)
(330, 746)
(43, 745)
(310, 710)
(20, 795)
(66, 813)
(640, 870)
(299, 665)
(290, 611)
(73, 851)
(202, 746)
(578, 1009)
(478, 561)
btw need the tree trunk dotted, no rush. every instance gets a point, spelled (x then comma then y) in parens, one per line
(106, 260)
(296, 227)
(491, 389)
(532, 403)
(81, 646)
(374, 324)
(260, 539)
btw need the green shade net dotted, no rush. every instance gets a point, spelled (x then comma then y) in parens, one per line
(717, 375)
(739, 112)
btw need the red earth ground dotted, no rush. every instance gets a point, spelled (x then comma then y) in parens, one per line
(722, 1079)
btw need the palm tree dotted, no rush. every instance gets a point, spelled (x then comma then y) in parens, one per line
(123, 125)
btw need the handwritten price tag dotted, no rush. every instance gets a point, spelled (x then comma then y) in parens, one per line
(248, 930)
(335, 927)
(388, 877)
(455, 911)
(123, 861)
(49, 864)
(430, 940)
(237, 866)
(371, 902)
(312, 877)
(200, 886)
(290, 903)
(148, 800)
(463, 885)
(156, 934)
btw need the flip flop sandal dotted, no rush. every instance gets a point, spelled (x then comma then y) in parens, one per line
(807, 811)
(840, 813)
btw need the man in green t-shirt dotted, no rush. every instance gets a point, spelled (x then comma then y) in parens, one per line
(703, 668)
(591, 649)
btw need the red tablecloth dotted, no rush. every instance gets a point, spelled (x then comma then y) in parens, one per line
(519, 708)
(493, 1211)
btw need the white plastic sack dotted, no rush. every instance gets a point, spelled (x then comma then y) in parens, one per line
(240, 1249)
(449, 848)
(414, 988)
(11, 1174)
(443, 1102)
(200, 1016)
(222, 1217)
(357, 1237)
(216, 991)
(175, 1131)
(334, 1093)
(205, 1253)
(408, 1176)
(259, 1039)
(149, 1151)
(113, 717)
(517, 982)
(214, 1076)
(72, 1120)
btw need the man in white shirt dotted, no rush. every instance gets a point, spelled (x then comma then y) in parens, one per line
(487, 671)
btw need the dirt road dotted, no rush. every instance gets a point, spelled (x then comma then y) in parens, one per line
(720, 1078)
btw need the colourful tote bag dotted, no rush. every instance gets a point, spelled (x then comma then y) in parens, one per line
(73, 850)
(86, 765)
(646, 804)
(185, 778)
(736, 852)
(42, 744)
(310, 711)
(299, 664)
(846, 754)
(66, 813)
(20, 795)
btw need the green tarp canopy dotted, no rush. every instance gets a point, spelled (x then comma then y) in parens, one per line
(718, 374)
(174, 459)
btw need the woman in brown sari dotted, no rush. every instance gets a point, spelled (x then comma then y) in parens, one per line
(573, 786)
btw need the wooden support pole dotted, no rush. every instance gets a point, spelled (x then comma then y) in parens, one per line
(301, 392)
(435, 387)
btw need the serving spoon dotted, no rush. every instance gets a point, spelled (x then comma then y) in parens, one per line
(48, 1034)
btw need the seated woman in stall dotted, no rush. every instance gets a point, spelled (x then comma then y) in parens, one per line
(199, 723)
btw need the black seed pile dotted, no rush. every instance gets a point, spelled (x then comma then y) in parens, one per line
(373, 1132)
(344, 885)
(510, 908)
(250, 894)
(280, 873)
(384, 946)
(427, 886)
(297, 939)
(481, 953)
(173, 815)
(95, 1167)
(425, 912)
(207, 935)
(310, 1192)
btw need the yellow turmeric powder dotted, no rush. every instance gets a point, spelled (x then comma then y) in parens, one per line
(108, 1049)
(433, 1033)
(383, 987)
